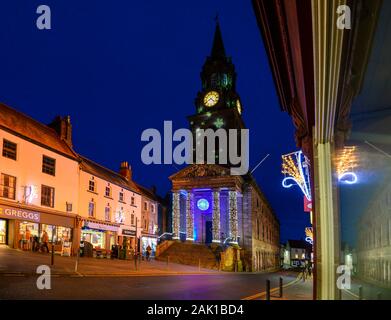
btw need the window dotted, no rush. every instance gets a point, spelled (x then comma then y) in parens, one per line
(91, 185)
(108, 192)
(145, 224)
(7, 186)
(91, 208)
(121, 196)
(47, 196)
(132, 201)
(9, 149)
(152, 208)
(107, 213)
(48, 165)
(145, 205)
(69, 207)
(132, 219)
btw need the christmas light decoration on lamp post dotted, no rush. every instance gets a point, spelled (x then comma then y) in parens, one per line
(296, 168)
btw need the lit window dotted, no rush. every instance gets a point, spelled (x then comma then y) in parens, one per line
(7, 186)
(47, 196)
(9, 149)
(91, 209)
(91, 185)
(203, 204)
(49, 165)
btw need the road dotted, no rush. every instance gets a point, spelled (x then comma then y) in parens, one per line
(167, 287)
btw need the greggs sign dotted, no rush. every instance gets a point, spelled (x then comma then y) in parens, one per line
(20, 214)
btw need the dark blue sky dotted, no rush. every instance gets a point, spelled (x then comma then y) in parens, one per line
(119, 67)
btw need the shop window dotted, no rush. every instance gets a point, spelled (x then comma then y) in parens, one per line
(91, 185)
(96, 238)
(27, 232)
(47, 196)
(91, 208)
(121, 196)
(7, 186)
(9, 149)
(49, 165)
(108, 192)
(57, 234)
(107, 213)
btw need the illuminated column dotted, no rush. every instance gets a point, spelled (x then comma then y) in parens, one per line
(189, 216)
(176, 215)
(216, 216)
(233, 216)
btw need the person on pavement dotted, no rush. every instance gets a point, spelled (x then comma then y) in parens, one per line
(44, 241)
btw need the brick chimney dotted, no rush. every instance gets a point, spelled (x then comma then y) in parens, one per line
(125, 170)
(63, 127)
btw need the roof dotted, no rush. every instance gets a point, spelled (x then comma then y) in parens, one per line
(95, 169)
(218, 50)
(299, 244)
(27, 128)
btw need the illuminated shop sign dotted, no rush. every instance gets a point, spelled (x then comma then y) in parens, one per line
(127, 232)
(99, 226)
(19, 214)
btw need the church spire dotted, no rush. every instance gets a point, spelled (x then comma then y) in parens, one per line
(218, 50)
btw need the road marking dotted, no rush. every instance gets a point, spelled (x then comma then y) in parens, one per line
(352, 294)
(261, 294)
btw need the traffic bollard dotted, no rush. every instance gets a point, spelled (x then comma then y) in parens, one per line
(360, 293)
(267, 289)
(280, 287)
(52, 258)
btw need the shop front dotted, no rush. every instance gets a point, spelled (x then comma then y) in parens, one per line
(22, 228)
(127, 235)
(148, 240)
(101, 235)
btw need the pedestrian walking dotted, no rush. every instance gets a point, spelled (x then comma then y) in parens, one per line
(149, 251)
(44, 241)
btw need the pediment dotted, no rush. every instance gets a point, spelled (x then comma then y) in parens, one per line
(201, 171)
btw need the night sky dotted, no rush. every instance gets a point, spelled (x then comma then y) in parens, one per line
(120, 67)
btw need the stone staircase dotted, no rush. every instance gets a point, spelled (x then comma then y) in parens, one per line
(191, 254)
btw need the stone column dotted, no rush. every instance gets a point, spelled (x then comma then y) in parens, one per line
(176, 215)
(233, 216)
(189, 216)
(216, 216)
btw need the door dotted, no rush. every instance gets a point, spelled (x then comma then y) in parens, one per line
(3, 231)
(208, 232)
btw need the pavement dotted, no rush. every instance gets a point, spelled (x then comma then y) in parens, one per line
(17, 262)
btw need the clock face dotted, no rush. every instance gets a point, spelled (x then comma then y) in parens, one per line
(238, 106)
(211, 99)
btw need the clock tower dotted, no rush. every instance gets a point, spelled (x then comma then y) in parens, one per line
(218, 105)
